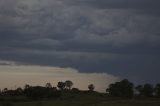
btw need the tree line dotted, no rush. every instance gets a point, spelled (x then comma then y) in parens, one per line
(126, 88)
(123, 88)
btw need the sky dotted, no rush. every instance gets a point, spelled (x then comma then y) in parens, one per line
(13, 76)
(118, 38)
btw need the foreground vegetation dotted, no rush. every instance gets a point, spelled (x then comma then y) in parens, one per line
(81, 99)
(122, 93)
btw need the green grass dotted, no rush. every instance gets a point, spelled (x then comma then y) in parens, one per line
(83, 99)
(91, 103)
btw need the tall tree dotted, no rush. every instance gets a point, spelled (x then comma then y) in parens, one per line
(27, 86)
(148, 90)
(157, 90)
(91, 87)
(48, 85)
(69, 84)
(139, 89)
(145, 90)
(19, 91)
(61, 85)
(123, 88)
(5, 89)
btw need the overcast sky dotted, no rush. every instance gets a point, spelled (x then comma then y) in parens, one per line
(116, 37)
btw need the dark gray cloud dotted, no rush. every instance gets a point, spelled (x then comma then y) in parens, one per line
(120, 4)
(120, 37)
(139, 6)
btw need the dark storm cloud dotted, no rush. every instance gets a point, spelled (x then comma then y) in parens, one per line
(120, 37)
(120, 4)
(132, 67)
(138, 6)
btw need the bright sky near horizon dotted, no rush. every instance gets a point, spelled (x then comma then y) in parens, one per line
(13, 76)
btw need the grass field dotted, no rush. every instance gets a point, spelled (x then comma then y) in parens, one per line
(82, 100)
(81, 103)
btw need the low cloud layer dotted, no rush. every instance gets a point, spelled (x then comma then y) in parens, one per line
(119, 37)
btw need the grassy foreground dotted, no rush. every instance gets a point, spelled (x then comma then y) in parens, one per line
(83, 99)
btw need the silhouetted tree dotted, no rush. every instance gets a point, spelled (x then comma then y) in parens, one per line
(19, 91)
(91, 87)
(68, 84)
(5, 89)
(139, 89)
(26, 86)
(123, 88)
(145, 90)
(157, 90)
(61, 85)
(4, 92)
(148, 90)
(48, 85)
(38, 92)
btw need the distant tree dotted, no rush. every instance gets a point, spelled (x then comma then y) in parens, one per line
(5, 89)
(145, 90)
(157, 90)
(123, 88)
(38, 92)
(91, 87)
(148, 90)
(19, 91)
(68, 84)
(139, 89)
(48, 85)
(61, 85)
(26, 86)
(5, 92)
